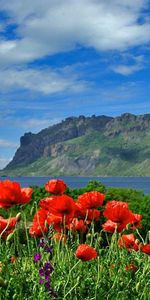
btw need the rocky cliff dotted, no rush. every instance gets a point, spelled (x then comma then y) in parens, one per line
(97, 145)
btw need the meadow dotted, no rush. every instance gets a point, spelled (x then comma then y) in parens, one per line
(60, 243)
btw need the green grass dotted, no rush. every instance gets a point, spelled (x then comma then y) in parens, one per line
(105, 277)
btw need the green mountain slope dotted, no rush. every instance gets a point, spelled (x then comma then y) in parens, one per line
(120, 148)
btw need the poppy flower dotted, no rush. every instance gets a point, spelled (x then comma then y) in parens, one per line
(77, 225)
(131, 267)
(62, 206)
(57, 222)
(85, 252)
(146, 249)
(38, 226)
(46, 202)
(13, 259)
(91, 200)
(55, 186)
(118, 212)
(7, 226)
(128, 241)
(135, 222)
(110, 226)
(11, 194)
(84, 213)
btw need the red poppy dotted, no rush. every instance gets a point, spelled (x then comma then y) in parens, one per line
(38, 226)
(146, 249)
(25, 195)
(86, 214)
(62, 206)
(57, 221)
(46, 202)
(110, 226)
(118, 212)
(131, 267)
(77, 225)
(91, 200)
(11, 194)
(7, 226)
(13, 259)
(55, 186)
(129, 241)
(85, 252)
(136, 221)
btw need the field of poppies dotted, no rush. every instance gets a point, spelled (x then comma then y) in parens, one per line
(58, 243)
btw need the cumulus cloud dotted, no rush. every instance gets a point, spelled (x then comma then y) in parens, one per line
(46, 80)
(49, 27)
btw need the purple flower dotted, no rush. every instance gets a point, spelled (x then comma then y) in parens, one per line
(41, 281)
(37, 257)
(48, 249)
(47, 265)
(42, 243)
(41, 272)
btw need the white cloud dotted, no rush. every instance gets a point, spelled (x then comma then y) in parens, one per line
(6, 143)
(45, 80)
(128, 69)
(48, 27)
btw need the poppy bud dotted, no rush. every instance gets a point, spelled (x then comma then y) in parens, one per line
(18, 217)
(10, 237)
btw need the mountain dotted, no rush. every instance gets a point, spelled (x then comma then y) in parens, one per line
(97, 145)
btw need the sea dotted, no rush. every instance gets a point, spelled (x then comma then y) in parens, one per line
(138, 183)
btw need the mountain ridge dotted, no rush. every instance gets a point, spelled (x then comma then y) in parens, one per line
(96, 145)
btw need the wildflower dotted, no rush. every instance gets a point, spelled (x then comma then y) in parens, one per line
(136, 221)
(13, 259)
(110, 226)
(85, 252)
(38, 226)
(77, 225)
(37, 257)
(146, 249)
(117, 211)
(91, 200)
(129, 241)
(46, 202)
(11, 194)
(42, 243)
(55, 186)
(84, 213)
(7, 226)
(131, 267)
(62, 206)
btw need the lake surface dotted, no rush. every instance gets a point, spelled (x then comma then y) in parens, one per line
(139, 183)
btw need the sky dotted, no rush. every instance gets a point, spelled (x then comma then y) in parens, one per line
(61, 58)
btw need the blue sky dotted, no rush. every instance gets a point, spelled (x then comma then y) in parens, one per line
(61, 58)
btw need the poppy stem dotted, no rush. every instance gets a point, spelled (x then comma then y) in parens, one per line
(77, 263)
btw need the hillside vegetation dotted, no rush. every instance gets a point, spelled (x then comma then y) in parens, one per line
(101, 146)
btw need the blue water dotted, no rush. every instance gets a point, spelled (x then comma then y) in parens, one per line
(139, 183)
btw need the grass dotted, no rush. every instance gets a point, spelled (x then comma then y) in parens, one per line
(104, 277)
